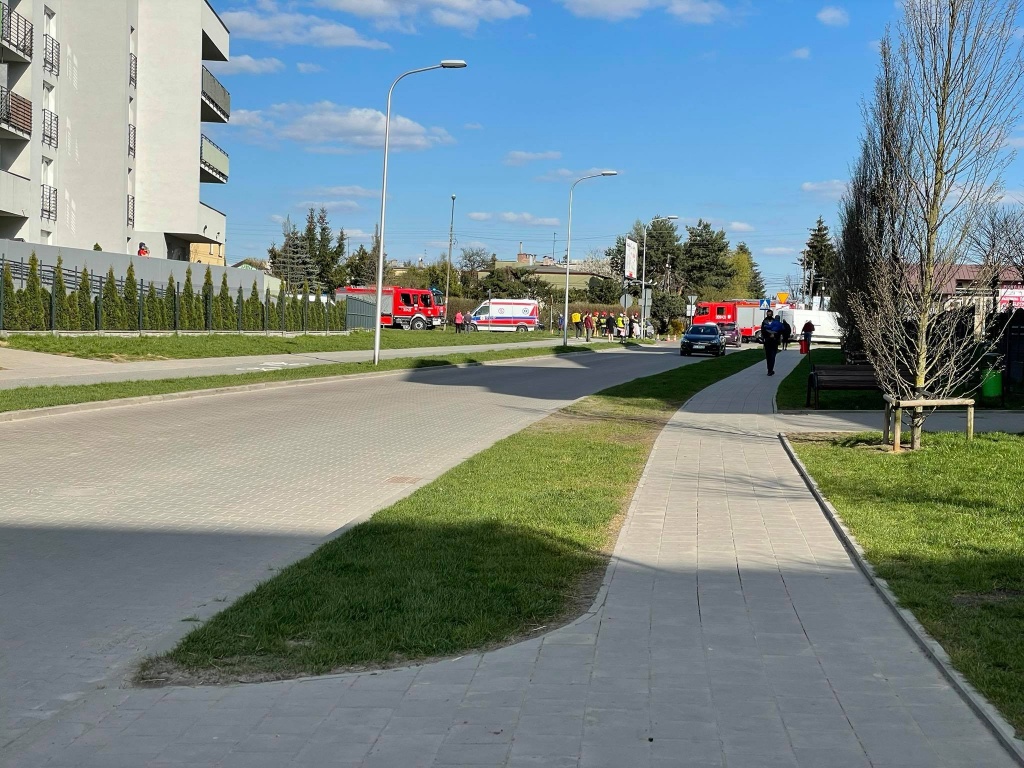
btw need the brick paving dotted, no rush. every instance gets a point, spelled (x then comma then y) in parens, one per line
(733, 631)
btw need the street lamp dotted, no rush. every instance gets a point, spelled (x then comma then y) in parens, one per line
(568, 245)
(643, 279)
(446, 64)
(448, 269)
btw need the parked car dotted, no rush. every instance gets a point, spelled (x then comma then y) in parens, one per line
(702, 339)
(732, 334)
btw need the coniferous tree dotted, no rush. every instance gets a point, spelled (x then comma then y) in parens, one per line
(239, 316)
(818, 259)
(33, 310)
(703, 264)
(186, 309)
(150, 310)
(253, 310)
(60, 298)
(328, 253)
(282, 309)
(11, 319)
(113, 304)
(207, 299)
(225, 306)
(170, 295)
(131, 298)
(86, 313)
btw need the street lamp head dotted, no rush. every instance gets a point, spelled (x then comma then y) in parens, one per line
(453, 64)
(609, 173)
(453, 197)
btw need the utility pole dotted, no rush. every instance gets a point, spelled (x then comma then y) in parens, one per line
(448, 270)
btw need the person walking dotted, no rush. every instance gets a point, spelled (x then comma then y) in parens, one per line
(805, 342)
(458, 322)
(771, 334)
(609, 326)
(577, 323)
(588, 325)
(787, 332)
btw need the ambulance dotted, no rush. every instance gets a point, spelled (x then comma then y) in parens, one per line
(519, 315)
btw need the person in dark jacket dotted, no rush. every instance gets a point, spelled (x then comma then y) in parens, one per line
(787, 333)
(771, 335)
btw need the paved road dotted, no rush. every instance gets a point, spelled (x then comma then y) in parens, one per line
(24, 369)
(116, 525)
(733, 631)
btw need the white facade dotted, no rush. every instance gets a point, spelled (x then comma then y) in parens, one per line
(101, 110)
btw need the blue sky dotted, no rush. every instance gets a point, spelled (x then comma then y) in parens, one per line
(743, 112)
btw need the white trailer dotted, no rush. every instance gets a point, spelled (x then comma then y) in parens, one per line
(826, 324)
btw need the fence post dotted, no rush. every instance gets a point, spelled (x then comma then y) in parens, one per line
(177, 306)
(142, 298)
(99, 307)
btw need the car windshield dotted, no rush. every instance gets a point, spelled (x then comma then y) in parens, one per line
(702, 330)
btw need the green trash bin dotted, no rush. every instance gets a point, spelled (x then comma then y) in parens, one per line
(991, 382)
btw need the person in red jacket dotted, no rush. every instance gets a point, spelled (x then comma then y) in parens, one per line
(458, 322)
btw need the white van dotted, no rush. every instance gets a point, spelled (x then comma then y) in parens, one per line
(826, 324)
(519, 315)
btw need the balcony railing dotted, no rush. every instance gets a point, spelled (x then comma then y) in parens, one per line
(16, 31)
(131, 141)
(216, 95)
(49, 202)
(213, 160)
(51, 55)
(15, 111)
(131, 211)
(51, 129)
(133, 70)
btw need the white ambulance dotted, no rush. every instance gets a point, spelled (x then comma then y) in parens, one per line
(519, 315)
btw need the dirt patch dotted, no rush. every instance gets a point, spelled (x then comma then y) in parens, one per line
(978, 599)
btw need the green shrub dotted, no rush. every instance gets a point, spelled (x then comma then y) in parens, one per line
(226, 318)
(86, 311)
(60, 298)
(254, 310)
(208, 300)
(131, 299)
(170, 294)
(114, 314)
(33, 310)
(186, 304)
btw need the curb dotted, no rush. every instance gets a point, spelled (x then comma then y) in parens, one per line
(125, 402)
(988, 714)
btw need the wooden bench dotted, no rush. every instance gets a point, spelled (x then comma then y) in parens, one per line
(894, 407)
(839, 377)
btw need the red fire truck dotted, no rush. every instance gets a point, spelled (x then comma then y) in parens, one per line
(409, 308)
(743, 312)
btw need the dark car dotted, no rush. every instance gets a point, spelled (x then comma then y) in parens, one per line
(702, 339)
(732, 334)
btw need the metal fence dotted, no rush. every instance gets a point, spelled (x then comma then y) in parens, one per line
(163, 306)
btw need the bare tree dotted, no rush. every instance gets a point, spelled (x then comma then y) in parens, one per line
(944, 105)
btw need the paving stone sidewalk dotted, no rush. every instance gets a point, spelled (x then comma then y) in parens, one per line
(734, 631)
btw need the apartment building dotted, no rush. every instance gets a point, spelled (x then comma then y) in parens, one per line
(102, 112)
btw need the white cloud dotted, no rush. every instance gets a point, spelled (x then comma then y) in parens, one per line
(345, 191)
(779, 251)
(248, 118)
(328, 128)
(566, 174)
(832, 189)
(473, 127)
(480, 216)
(739, 226)
(517, 157)
(800, 53)
(358, 235)
(284, 28)
(308, 68)
(687, 11)
(833, 16)
(330, 205)
(529, 219)
(1015, 142)
(247, 65)
(465, 15)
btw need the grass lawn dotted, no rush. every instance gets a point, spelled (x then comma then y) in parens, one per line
(24, 398)
(513, 541)
(943, 526)
(128, 348)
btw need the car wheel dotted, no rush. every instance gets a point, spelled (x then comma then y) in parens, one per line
(418, 324)
(521, 329)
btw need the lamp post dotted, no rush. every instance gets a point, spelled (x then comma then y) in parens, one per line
(568, 245)
(643, 278)
(448, 270)
(446, 64)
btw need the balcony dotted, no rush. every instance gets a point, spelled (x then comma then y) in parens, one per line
(15, 115)
(17, 196)
(216, 106)
(16, 34)
(51, 56)
(51, 129)
(133, 70)
(213, 162)
(49, 202)
(131, 141)
(216, 38)
(131, 211)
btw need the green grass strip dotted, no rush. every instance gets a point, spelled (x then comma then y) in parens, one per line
(172, 347)
(792, 394)
(24, 398)
(943, 527)
(513, 540)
